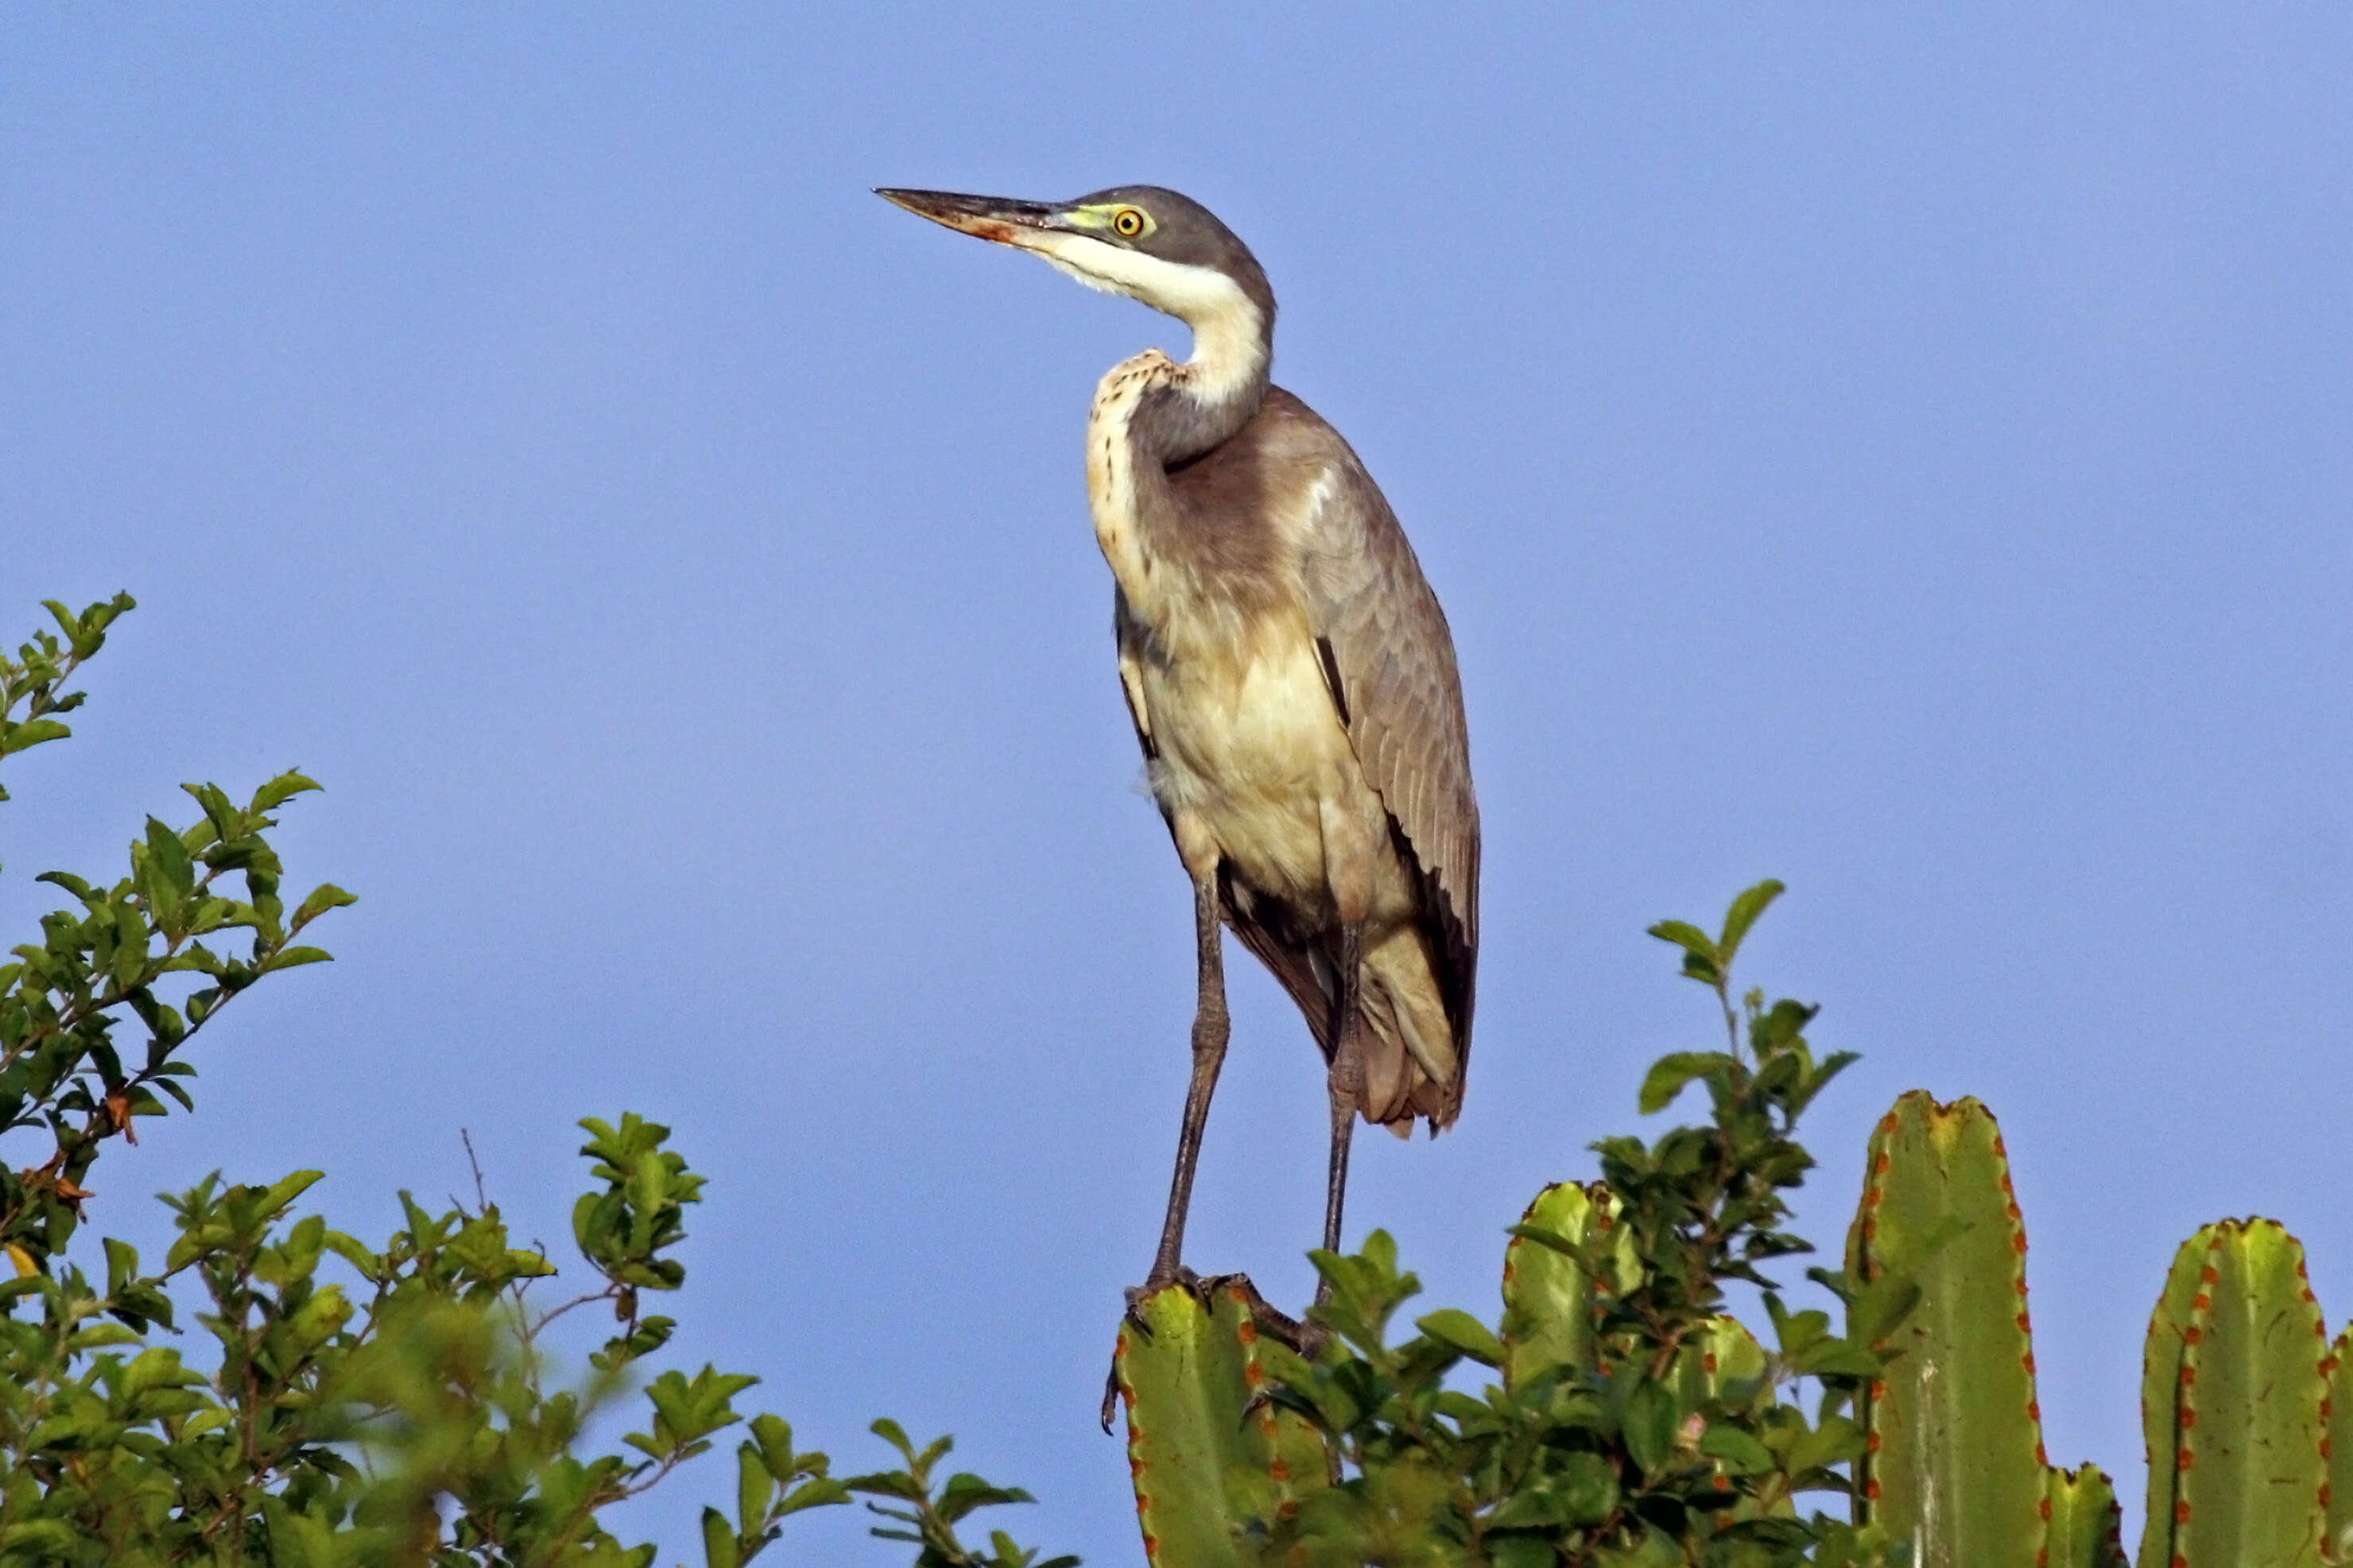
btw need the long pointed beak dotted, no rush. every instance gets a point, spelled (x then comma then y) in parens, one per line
(1001, 219)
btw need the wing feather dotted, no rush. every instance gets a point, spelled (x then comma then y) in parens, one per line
(1402, 698)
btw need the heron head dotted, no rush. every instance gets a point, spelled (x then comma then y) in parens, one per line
(1149, 244)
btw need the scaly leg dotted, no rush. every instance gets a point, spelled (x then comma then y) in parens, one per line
(1345, 1081)
(1211, 1029)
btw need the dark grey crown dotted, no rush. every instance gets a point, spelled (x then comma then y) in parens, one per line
(1184, 231)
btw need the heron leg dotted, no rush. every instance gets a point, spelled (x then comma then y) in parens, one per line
(1345, 1081)
(1211, 1028)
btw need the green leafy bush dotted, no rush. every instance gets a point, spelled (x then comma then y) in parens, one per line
(352, 1404)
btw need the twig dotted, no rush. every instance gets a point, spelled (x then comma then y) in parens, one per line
(481, 1194)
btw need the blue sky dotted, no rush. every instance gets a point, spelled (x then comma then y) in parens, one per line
(1901, 452)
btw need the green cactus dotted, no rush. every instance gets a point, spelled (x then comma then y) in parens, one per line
(1955, 1461)
(2340, 1445)
(2238, 1388)
(1548, 1295)
(1213, 1474)
(2160, 1379)
(1724, 1361)
(1210, 1470)
(2086, 1528)
(2247, 1408)
(2241, 1480)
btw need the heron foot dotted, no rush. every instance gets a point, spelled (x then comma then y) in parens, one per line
(1306, 1338)
(1299, 1334)
(1111, 1395)
(1154, 1283)
(1303, 1336)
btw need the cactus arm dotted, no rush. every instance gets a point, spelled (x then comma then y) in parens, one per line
(2160, 1399)
(1547, 1296)
(2086, 1526)
(2340, 1500)
(1955, 1461)
(2249, 1472)
(1277, 1458)
(1208, 1466)
(1723, 1364)
(1183, 1392)
(1721, 1360)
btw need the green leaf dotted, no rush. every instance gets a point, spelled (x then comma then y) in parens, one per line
(1586, 1487)
(169, 855)
(282, 789)
(1649, 1427)
(1743, 915)
(368, 1264)
(887, 1483)
(822, 1492)
(218, 812)
(967, 1491)
(1778, 1027)
(1690, 938)
(775, 1438)
(1832, 1357)
(1837, 1441)
(718, 1546)
(1459, 1331)
(122, 1265)
(1742, 1454)
(1669, 1074)
(755, 1488)
(324, 896)
(287, 1190)
(891, 1431)
(1521, 1551)
(30, 733)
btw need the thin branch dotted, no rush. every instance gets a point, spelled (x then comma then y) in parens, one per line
(481, 1196)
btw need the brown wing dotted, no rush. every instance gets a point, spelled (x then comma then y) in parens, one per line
(1388, 646)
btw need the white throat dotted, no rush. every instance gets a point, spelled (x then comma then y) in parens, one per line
(1228, 329)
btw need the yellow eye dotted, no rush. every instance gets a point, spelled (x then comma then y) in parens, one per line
(1127, 223)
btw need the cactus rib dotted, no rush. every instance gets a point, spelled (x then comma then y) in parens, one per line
(2087, 1527)
(1955, 1461)
(1548, 1285)
(1211, 1465)
(2250, 1409)
(2337, 1448)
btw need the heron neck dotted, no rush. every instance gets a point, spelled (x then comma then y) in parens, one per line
(1213, 394)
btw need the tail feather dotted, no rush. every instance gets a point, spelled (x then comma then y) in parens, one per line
(1413, 1069)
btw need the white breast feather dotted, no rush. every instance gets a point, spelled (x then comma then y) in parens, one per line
(1111, 475)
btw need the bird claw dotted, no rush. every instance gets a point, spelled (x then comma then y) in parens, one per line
(1136, 1296)
(1305, 1337)
(1302, 1337)
(1111, 1395)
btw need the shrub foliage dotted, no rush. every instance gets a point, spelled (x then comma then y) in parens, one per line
(337, 1403)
